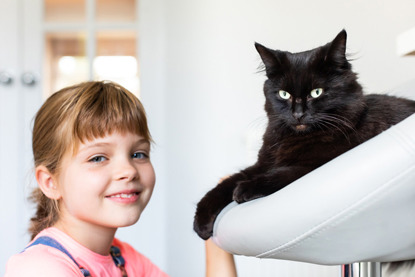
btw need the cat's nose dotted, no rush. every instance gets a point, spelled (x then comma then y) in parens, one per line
(298, 111)
(298, 115)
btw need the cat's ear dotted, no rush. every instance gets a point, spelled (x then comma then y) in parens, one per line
(270, 59)
(337, 51)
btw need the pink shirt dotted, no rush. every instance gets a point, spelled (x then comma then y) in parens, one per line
(42, 260)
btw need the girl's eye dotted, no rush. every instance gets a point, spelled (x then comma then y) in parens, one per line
(284, 95)
(97, 159)
(316, 92)
(140, 155)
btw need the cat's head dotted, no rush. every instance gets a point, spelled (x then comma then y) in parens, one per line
(311, 90)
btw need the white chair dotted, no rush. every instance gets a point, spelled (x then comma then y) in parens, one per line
(358, 207)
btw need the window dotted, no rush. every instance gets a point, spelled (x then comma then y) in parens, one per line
(90, 40)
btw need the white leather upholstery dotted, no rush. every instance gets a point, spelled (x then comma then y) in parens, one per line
(358, 207)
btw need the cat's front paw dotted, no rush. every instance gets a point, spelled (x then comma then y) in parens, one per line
(246, 191)
(212, 204)
(204, 220)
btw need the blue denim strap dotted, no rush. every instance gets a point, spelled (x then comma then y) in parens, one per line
(48, 241)
(118, 260)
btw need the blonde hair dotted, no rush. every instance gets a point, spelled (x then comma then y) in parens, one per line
(71, 116)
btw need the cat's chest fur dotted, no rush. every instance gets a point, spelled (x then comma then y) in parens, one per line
(310, 150)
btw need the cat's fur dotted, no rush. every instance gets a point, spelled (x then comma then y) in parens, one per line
(304, 132)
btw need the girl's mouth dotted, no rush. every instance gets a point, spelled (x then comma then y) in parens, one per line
(124, 197)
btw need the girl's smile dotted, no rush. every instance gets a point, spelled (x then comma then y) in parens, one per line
(126, 197)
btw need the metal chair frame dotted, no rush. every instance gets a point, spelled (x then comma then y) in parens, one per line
(362, 269)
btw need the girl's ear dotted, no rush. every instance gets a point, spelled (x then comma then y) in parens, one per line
(46, 182)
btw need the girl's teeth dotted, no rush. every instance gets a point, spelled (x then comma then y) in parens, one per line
(123, 195)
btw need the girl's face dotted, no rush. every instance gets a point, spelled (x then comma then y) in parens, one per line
(107, 183)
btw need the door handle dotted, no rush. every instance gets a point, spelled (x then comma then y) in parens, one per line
(5, 78)
(28, 79)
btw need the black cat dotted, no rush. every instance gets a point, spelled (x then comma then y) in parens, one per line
(316, 111)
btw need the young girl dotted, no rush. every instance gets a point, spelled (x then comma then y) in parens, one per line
(91, 148)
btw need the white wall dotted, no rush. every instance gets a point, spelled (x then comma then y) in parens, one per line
(200, 85)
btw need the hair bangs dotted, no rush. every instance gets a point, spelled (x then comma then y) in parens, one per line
(107, 109)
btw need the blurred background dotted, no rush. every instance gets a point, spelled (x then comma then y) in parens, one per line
(194, 66)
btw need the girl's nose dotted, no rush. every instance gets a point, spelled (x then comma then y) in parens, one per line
(125, 170)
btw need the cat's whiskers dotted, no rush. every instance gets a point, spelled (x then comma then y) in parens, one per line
(259, 123)
(284, 125)
(341, 123)
(342, 120)
(329, 125)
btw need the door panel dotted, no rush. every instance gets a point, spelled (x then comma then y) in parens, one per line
(9, 130)
(19, 99)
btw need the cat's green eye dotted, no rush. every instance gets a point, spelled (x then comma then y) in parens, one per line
(316, 92)
(284, 95)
